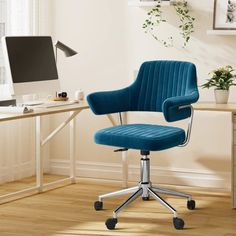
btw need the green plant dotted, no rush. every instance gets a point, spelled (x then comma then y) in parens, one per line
(222, 78)
(153, 21)
(155, 18)
(186, 20)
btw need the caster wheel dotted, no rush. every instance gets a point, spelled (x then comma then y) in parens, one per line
(98, 205)
(111, 223)
(178, 223)
(145, 198)
(191, 205)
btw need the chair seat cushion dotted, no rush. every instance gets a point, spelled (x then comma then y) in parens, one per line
(141, 136)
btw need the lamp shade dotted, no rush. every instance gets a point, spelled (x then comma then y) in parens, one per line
(69, 52)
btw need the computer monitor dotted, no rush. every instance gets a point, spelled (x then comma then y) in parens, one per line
(30, 65)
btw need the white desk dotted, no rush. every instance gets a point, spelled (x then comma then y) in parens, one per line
(231, 107)
(73, 111)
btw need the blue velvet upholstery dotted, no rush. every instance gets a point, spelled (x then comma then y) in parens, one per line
(161, 86)
(141, 136)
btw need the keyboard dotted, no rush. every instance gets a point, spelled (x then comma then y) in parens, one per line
(33, 103)
(50, 104)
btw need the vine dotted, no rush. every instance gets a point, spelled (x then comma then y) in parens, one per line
(155, 18)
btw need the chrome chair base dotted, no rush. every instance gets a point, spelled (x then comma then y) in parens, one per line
(144, 190)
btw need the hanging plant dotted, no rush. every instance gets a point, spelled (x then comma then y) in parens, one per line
(155, 18)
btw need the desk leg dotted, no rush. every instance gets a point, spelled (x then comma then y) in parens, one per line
(233, 163)
(72, 149)
(39, 161)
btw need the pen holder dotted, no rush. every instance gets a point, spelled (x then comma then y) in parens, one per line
(79, 95)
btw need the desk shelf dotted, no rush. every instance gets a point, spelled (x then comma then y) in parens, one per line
(138, 3)
(221, 32)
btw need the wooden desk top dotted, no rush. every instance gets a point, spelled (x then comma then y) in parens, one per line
(45, 111)
(211, 106)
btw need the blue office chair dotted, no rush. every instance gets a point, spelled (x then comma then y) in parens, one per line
(169, 87)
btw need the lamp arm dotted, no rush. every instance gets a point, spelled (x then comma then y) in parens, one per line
(56, 54)
(190, 125)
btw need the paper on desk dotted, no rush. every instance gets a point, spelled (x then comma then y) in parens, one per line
(15, 109)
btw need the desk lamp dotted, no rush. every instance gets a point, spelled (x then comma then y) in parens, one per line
(69, 52)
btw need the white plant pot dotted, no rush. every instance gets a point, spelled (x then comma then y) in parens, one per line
(221, 96)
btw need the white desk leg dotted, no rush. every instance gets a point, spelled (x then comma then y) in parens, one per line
(39, 161)
(72, 150)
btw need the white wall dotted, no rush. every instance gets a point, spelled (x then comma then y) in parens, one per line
(96, 29)
(111, 43)
(17, 150)
(208, 153)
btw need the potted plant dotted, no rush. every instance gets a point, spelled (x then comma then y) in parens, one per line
(221, 79)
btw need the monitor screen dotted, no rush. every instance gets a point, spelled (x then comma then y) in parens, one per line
(31, 59)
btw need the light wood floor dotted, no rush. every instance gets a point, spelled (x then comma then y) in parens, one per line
(68, 211)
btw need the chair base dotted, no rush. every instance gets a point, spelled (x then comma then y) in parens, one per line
(145, 190)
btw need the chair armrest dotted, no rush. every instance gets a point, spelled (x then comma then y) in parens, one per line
(109, 102)
(172, 107)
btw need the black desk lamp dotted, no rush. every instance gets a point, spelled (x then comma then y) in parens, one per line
(69, 52)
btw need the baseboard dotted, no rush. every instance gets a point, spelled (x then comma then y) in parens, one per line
(176, 176)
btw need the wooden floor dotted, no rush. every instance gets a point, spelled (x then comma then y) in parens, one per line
(68, 211)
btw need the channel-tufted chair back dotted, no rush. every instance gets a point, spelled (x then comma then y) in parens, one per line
(161, 86)
(159, 80)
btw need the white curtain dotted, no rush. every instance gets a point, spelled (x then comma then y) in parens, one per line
(22, 17)
(3, 22)
(17, 17)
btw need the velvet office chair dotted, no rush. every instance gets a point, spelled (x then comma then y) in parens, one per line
(169, 87)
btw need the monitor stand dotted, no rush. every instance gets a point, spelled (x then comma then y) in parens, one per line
(30, 99)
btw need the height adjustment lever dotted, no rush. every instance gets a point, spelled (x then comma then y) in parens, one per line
(121, 150)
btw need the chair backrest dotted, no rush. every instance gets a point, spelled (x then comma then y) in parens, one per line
(159, 80)
(161, 86)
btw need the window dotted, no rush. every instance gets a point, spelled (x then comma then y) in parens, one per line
(17, 17)
(3, 20)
